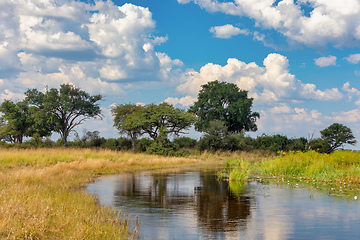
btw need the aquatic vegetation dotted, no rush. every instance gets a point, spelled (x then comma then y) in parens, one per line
(337, 166)
(338, 172)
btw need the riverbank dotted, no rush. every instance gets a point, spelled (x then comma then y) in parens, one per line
(42, 195)
(339, 167)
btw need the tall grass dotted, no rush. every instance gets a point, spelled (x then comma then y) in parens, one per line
(339, 166)
(41, 191)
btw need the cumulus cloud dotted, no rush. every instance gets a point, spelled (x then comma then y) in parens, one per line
(352, 116)
(271, 83)
(284, 118)
(282, 108)
(227, 31)
(351, 92)
(353, 58)
(94, 46)
(327, 22)
(325, 61)
(185, 101)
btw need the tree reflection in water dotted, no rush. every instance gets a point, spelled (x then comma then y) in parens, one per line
(217, 206)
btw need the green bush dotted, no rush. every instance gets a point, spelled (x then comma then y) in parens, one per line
(142, 144)
(185, 142)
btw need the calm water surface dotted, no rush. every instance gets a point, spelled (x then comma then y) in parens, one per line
(195, 205)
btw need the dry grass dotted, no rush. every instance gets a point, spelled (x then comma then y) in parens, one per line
(41, 195)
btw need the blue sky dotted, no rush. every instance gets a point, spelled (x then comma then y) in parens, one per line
(299, 60)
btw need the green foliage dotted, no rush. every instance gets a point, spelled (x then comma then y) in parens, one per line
(158, 121)
(127, 119)
(297, 144)
(143, 143)
(166, 148)
(318, 145)
(273, 143)
(216, 138)
(336, 135)
(185, 142)
(20, 120)
(227, 103)
(164, 119)
(67, 107)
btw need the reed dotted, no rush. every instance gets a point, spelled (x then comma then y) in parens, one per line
(42, 197)
(339, 166)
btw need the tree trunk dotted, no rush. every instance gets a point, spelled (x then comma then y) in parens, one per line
(133, 144)
(65, 135)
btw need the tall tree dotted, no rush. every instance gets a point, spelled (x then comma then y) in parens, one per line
(127, 121)
(336, 135)
(20, 120)
(154, 120)
(227, 103)
(68, 107)
(163, 119)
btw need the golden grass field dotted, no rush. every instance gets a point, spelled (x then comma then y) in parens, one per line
(42, 194)
(42, 190)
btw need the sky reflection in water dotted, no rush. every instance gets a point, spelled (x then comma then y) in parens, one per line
(195, 205)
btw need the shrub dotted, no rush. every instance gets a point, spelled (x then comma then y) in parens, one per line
(185, 142)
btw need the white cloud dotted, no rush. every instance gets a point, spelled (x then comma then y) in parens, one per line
(353, 58)
(227, 31)
(282, 108)
(184, 101)
(329, 22)
(270, 83)
(351, 92)
(283, 119)
(352, 116)
(95, 46)
(325, 61)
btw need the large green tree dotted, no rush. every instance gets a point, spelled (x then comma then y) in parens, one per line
(20, 120)
(227, 103)
(68, 107)
(158, 121)
(127, 119)
(336, 135)
(163, 119)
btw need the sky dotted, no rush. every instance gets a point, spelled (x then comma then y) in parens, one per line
(298, 59)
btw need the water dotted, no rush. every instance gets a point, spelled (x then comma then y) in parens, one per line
(195, 205)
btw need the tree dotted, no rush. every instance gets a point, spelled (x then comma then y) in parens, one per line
(20, 120)
(67, 107)
(227, 103)
(216, 137)
(163, 119)
(158, 121)
(336, 135)
(126, 120)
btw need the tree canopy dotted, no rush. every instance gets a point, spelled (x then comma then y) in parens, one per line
(127, 121)
(227, 103)
(20, 120)
(154, 120)
(336, 135)
(67, 107)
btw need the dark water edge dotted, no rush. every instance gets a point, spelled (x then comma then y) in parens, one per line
(194, 204)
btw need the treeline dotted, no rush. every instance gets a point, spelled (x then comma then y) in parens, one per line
(181, 146)
(222, 113)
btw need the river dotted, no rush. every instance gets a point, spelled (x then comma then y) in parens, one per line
(194, 204)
